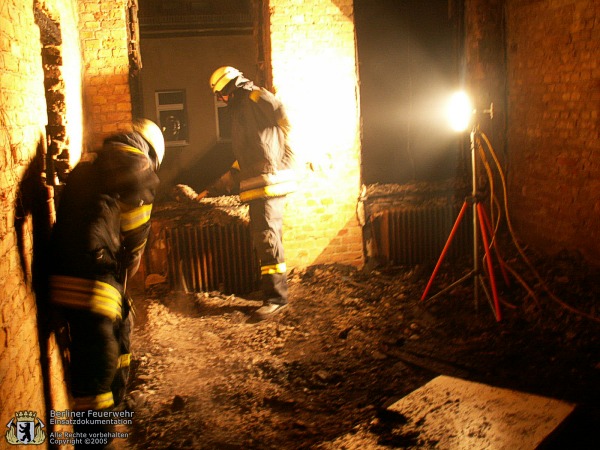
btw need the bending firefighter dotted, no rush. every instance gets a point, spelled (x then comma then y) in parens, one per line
(103, 221)
(259, 127)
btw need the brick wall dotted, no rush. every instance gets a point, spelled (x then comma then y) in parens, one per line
(107, 100)
(486, 67)
(22, 122)
(554, 129)
(314, 71)
(33, 36)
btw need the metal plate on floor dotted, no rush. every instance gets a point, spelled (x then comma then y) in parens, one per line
(451, 414)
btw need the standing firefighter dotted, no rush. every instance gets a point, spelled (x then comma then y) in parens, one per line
(259, 127)
(97, 242)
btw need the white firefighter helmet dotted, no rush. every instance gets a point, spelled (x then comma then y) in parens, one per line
(222, 76)
(152, 134)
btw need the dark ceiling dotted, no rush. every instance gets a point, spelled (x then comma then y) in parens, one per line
(160, 18)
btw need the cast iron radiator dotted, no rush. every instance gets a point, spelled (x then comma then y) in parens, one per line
(415, 235)
(212, 258)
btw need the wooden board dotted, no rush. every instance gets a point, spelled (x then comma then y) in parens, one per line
(456, 414)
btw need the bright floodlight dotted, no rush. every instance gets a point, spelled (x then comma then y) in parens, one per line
(460, 111)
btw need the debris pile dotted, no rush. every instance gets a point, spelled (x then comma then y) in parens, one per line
(321, 374)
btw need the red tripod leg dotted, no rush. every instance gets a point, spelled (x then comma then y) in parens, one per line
(488, 260)
(445, 250)
(496, 251)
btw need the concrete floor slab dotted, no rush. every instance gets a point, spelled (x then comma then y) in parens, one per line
(453, 414)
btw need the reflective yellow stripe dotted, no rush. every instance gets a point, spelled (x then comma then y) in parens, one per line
(273, 268)
(96, 296)
(102, 401)
(274, 190)
(139, 247)
(137, 217)
(255, 96)
(124, 360)
(267, 179)
(127, 148)
(284, 123)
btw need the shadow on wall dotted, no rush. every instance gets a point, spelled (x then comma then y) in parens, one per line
(345, 248)
(34, 217)
(33, 199)
(343, 7)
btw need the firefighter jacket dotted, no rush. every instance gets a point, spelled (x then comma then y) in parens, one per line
(259, 128)
(103, 221)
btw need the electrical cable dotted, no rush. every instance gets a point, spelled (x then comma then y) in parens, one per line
(488, 171)
(494, 200)
(520, 249)
(493, 197)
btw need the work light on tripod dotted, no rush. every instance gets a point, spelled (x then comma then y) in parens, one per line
(461, 115)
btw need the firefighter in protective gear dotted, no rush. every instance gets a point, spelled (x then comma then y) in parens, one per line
(259, 128)
(103, 221)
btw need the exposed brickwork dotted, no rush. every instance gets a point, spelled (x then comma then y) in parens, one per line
(46, 36)
(537, 60)
(553, 49)
(104, 41)
(314, 71)
(22, 122)
(486, 67)
(554, 123)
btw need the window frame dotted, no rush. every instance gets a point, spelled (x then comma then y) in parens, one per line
(180, 112)
(219, 105)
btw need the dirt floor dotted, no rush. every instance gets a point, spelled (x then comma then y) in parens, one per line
(320, 374)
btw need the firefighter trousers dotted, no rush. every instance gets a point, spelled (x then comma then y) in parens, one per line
(266, 225)
(99, 353)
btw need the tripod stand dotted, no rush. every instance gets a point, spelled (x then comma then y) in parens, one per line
(479, 218)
